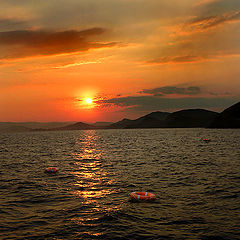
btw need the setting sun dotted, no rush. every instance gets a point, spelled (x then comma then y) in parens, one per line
(88, 100)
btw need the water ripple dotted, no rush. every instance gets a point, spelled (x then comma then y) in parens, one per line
(196, 184)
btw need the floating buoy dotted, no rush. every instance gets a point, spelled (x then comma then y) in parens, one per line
(142, 197)
(206, 140)
(51, 169)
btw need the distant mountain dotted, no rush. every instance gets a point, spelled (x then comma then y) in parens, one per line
(190, 118)
(75, 126)
(33, 125)
(152, 120)
(229, 118)
(180, 119)
(12, 129)
(121, 124)
(102, 124)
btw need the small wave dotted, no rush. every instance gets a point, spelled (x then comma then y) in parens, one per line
(187, 221)
(216, 237)
(87, 199)
(230, 196)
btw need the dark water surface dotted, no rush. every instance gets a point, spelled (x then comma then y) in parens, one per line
(197, 184)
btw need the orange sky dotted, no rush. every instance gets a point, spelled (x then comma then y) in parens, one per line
(131, 57)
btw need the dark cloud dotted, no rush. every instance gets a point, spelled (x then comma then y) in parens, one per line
(211, 15)
(30, 43)
(214, 13)
(193, 90)
(203, 23)
(88, 13)
(176, 59)
(210, 36)
(6, 23)
(219, 7)
(152, 103)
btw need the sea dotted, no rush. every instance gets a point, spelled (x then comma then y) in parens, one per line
(196, 183)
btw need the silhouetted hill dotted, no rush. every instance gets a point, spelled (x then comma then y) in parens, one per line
(180, 119)
(121, 124)
(190, 118)
(152, 120)
(229, 118)
(101, 124)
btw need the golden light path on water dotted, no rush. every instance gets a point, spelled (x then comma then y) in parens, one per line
(92, 181)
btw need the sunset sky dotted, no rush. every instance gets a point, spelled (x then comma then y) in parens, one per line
(127, 57)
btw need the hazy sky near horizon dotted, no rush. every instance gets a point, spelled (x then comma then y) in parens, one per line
(131, 57)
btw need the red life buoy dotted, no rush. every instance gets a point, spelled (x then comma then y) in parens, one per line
(51, 169)
(142, 196)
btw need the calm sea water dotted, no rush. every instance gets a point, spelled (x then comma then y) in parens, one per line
(197, 184)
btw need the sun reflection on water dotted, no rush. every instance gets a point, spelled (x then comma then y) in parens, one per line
(94, 193)
(93, 183)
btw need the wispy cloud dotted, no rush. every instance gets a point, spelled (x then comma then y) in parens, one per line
(199, 24)
(177, 59)
(192, 59)
(77, 64)
(203, 2)
(202, 24)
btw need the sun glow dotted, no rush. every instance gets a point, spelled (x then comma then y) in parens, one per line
(88, 100)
